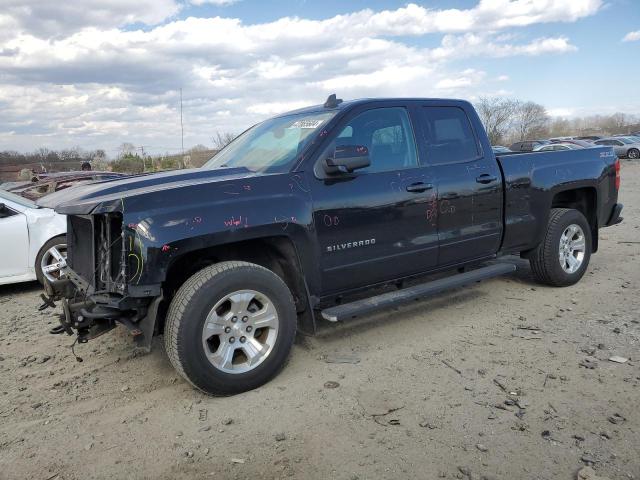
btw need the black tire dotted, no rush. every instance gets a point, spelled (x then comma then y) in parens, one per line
(187, 314)
(59, 240)
(633, 153)
(545, 263)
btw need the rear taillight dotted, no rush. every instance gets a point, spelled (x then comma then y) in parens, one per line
(617, 174)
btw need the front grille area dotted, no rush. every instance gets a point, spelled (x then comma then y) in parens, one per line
(80, 250)
(96, 250)
(109, 252)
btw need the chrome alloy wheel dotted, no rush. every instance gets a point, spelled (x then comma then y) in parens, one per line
(53, 261)
(572, 248)
(240, 331)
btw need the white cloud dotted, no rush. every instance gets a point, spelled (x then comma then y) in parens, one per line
(87, 80)
(387, 76)
(632, 36)
(503, 78)
(273, 108)
(560, 112)
(472, 44)
(57, 19)
(464, 79)
(219, 3)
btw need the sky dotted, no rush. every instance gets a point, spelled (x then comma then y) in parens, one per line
(97, 73)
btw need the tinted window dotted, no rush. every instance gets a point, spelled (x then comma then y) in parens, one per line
(6, 211)
(448, 135)
(387, 133)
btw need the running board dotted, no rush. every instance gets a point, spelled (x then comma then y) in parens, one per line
(406, 295)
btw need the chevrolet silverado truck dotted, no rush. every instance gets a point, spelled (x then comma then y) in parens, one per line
(301, 215)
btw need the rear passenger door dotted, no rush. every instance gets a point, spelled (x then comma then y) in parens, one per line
(469, 205)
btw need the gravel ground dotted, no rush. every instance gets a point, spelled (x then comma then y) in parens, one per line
(508, 379)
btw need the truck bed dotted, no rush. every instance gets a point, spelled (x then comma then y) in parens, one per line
(532, 181)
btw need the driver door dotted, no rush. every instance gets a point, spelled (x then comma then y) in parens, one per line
(14, 242)
(373, 224)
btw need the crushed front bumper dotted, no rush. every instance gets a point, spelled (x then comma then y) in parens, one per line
(91, 314)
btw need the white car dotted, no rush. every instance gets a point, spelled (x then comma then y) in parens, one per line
(33, 241)
(554, 147)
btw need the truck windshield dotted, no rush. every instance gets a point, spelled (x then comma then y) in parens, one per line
(271, 146)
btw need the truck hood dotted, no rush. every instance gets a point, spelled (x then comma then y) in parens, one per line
(109, 195)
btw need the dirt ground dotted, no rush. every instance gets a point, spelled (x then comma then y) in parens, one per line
(506, 380)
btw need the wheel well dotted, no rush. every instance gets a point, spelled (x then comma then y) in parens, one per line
(278, 254)
(585, 201)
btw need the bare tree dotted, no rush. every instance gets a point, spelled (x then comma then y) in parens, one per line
(100, 155)
(127, 149)
(496, 115)
(531, 120)
(561, 127)
(616, 122)
(198, 148)
(222, 139)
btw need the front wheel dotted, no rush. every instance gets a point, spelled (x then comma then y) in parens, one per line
(633, 153)
(230, 327)
(51, 259)
(563, 256)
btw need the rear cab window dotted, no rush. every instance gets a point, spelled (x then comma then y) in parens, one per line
(448, 135)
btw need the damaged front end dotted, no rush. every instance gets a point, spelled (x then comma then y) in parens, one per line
(100, 284)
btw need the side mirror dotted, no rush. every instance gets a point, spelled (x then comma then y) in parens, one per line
(347, 158)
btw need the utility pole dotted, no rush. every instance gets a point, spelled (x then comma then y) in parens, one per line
(144, 164)
(181, 124)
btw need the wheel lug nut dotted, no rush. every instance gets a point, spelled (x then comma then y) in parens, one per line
(243, 339)
(232, 339)
(249, 328)
(234, 319)
(244, 319)
(227, 329)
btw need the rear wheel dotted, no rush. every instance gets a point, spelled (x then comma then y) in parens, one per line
(230, 327)
(563, 256)
(633, 153)
(51, 259)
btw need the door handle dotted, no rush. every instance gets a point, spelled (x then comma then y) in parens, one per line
(486, 178)
(419, 187)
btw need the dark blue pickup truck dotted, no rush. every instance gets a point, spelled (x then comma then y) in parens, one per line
(280, 228)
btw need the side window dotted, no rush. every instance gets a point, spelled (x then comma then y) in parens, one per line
(6, 212)
(387, 134)
(617, 143)
(448, 135)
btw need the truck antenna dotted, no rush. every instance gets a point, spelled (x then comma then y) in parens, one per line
(332, 101)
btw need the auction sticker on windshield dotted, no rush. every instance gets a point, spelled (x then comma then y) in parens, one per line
(306, 124)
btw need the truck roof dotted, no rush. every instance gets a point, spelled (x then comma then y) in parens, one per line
(342, 105)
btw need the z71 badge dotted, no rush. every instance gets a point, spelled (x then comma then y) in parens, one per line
(348, 245)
